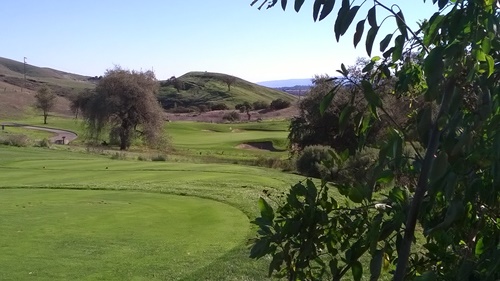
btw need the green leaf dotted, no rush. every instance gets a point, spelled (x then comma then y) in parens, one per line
(401, 22)
(359, 32)
(283, 4)
(316, 7)
(434, 68)
(439, 167)
(343, 11)
(327, 9)
(434, 26)
(345, 117)
(259, 249)
(356, 195)
(424, 118)
(398, 48)
(298, 5)
(442, 3)
(426, 276)
(388, 53)
(376, 265)
(486, 45)
(490, 62)
(454, 212)
(370, 38)
(357, 270)
(479, 247)
(372, 17)
(385, 42)
(347, 20)
(385, 177)
(327, 100)
(370, 94)
(266, 211)
(345, 72)
(386, 71)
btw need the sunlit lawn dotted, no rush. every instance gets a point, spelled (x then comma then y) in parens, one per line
(69, 215)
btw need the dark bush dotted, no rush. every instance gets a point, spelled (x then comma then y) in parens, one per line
(182, 109)
(311, 162)
(279, 104)
(231, 116)
(219, 106)
(203, 108)
(159, 158)
(243, 107)
(259, 105)
(44, 143)
(16, 140)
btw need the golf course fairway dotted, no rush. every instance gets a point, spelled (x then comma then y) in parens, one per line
(59, 234)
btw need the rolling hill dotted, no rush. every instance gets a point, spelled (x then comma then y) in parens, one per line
(198, 88)
(202, 88)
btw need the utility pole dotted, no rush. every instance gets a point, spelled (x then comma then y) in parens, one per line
(24, 72)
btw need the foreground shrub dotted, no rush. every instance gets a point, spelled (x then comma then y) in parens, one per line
(159, 157)
(231, 116)
(16, 140)
(142, 158)
(286, 165)
(119, 156)
(311, 162)
(44, 143)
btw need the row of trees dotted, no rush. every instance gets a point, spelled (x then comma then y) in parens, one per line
(446, 75)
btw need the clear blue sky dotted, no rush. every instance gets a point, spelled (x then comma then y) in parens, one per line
(177, 36)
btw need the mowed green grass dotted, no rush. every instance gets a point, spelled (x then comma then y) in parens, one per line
(30, 133)
(110, 235)
(197, 139)
(72, 173)
(222, 140)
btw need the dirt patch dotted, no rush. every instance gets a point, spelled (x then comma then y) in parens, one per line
(261, 145)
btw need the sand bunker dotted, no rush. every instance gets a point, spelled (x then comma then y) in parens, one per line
(262, 145)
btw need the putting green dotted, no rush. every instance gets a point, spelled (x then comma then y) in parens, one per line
(112, 235)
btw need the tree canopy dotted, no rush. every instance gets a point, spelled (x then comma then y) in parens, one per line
(124, 102)
(449, 155)
(45, 100)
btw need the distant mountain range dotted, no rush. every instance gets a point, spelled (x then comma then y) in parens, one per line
(286, 83)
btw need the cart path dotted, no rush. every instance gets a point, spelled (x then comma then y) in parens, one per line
(69, 136)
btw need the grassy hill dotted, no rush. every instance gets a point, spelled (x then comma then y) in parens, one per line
(62, 83)
(201, 88)
(198, 89)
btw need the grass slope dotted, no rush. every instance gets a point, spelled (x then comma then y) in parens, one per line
(238, 186)
(106, 235)
(207, 87)
(61, 82)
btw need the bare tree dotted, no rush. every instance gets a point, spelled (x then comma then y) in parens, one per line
(124, 101)
(45, 100)
(229, 80)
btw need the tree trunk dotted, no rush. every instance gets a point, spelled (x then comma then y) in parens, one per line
(45, 118)
(124, 136)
